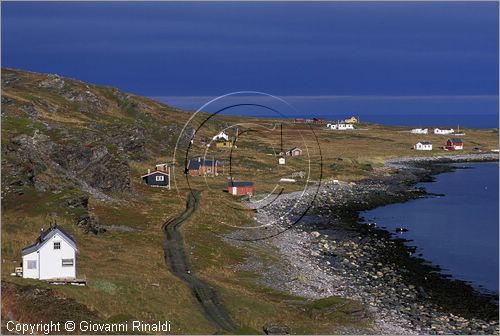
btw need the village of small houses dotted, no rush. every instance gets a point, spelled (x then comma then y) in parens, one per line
(52, 257)
(86, 199)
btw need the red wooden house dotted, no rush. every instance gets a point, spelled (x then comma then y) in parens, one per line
(454, 144)
(240, 188)
(200, 166)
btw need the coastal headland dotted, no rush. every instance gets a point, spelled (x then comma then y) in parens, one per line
(298, 261)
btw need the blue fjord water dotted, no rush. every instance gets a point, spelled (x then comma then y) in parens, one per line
(458, 231)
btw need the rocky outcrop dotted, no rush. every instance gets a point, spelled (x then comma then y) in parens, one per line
(10, 79)
(48, 166)
(51, 81)
(275, 329)
(89, 224)
(81, 201)
(29, 109)
(130, 140)
(87, 101)
(30, 304)
(87, 221)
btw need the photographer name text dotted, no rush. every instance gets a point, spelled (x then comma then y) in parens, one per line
(87, 327)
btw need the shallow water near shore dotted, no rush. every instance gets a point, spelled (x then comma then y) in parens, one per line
(458, 231)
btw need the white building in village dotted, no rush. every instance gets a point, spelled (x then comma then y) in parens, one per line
(340, 126)
(444, 131)
(222, 135)
(52, 256)
(423, 145)
(419, 131)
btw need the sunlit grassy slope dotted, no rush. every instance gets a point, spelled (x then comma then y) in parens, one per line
(125, 269)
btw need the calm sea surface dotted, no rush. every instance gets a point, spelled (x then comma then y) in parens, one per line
(458, 231)
(407, 112)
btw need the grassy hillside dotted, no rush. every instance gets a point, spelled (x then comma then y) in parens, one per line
(75, 152)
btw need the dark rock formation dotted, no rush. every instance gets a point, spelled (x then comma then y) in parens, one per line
(275, 329)
(76, 202)
(89, 224)
(38, 161)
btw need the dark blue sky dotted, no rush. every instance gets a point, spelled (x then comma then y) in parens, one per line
(417, 49)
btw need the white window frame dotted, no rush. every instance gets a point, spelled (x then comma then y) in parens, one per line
(67, 262)
(160, 178)
(31, 264)
(58, 246)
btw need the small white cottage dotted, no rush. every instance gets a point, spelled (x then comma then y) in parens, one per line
(444, 131)
(420, 131)
(295, 151)
(221, 136)
(423, 145)
(52, 256)
(340, 126)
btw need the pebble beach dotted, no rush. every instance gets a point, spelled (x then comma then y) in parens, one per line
(331, 251)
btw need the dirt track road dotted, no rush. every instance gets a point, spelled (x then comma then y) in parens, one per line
(176, 260)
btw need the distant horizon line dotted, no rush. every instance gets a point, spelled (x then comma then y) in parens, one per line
(338, 97)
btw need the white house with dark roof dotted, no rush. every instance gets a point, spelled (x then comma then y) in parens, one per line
(444, 131)
(52, 256)
(423, 145)
(419, 131)
(340, 126)
(295, 151)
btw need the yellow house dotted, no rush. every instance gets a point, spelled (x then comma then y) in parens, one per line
(352, 120)
(224, 144)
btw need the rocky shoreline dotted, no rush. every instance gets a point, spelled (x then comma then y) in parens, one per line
(330, 251)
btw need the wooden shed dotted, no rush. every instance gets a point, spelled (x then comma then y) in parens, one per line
(240, 188)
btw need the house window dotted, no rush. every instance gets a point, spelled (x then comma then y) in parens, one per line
(31, 264)
(160, 178)
(67, 262)
(57, 245)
